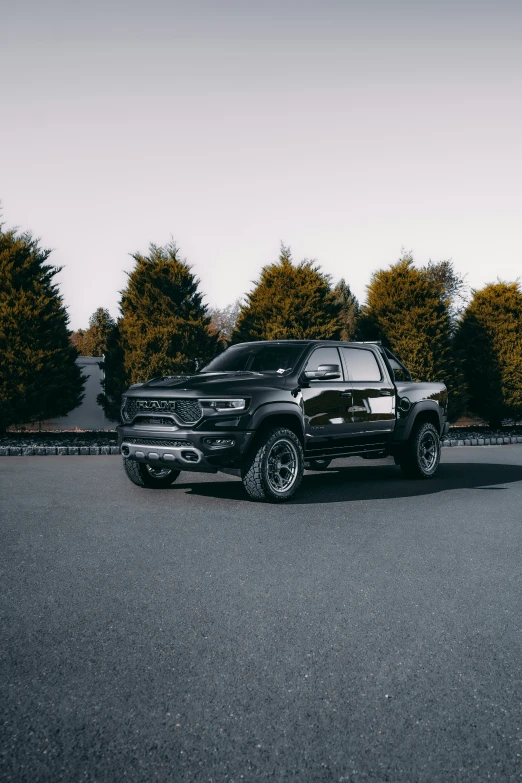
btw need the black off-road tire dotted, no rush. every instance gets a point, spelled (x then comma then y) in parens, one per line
(420, 456)
(259, 466)
(318, 464)
(139, 474)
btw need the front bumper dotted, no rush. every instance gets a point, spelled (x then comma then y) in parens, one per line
(183, 449)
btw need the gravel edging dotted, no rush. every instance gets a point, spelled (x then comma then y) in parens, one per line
(56, 451)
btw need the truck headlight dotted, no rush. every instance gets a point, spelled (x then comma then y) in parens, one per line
(224, 405)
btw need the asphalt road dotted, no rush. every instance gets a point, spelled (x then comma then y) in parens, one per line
(370, 630)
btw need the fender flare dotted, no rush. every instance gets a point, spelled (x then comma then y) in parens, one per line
(269, 409)
(403, 432)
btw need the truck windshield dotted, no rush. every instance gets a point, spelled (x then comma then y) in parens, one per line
(264, 358)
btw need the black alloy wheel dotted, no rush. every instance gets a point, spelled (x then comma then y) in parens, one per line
(420, 457)
(274, 469)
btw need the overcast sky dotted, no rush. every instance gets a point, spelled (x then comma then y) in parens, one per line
(346, 129)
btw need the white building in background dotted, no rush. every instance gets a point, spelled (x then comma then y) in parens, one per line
(89, 415)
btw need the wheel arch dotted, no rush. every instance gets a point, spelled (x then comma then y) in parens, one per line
(427, 411)
(283, 416)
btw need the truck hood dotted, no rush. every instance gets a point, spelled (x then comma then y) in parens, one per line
(208, 383)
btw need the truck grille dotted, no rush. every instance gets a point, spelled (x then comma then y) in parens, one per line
(188, 411)
(174, 444)
(156, 421)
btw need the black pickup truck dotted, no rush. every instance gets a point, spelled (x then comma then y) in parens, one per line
(265, 411)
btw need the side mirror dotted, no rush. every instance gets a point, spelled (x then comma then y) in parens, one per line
(325, 372)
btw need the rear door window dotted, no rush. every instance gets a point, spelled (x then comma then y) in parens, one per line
(361, 365)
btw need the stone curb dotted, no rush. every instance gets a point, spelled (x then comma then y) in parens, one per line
(60, 451)
(481, 442)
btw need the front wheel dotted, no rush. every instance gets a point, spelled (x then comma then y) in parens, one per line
(274, 469)
(150, 476)
(421, 456)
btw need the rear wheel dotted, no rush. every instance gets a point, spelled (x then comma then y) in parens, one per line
(421, 454)
(151, 476)
(274, 469)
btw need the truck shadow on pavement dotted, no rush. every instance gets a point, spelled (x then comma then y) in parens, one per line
(375, 482)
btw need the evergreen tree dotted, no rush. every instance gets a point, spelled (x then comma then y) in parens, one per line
(490, 338)
(443, 275)
(409, 309)
(114, 382)
(93, 341)
(349, 309)
(163, 329)
(39, 378)
(76, 339)
(289, 302)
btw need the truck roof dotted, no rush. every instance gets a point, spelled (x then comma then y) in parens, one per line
(377, 343)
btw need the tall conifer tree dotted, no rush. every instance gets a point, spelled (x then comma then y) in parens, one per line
(114, 382)
(38, 375)
(409, 309)
(164, 325)
(289, 302)
(490, 339)
(349, 309)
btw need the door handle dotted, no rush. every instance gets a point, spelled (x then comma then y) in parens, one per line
(345, 394)
(386, 392)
